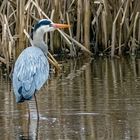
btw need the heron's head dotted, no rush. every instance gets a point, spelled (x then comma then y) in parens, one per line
(46, 25)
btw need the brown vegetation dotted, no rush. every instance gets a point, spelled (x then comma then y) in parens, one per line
(102, 26)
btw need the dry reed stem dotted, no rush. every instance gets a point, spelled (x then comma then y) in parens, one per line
(104, 28)
(133, 48)
(121, 24)
(87, 23)
(120, 40)
(51, 33)
(13, 13)
(57, 67)
(53, 61)
(39, 9)
(65, 37)
(136, 7)
(79, 45)
(27, 5)
(28, 36)
(71, 4)
(3, 4)
(52, 14)
(72, 48)
(99, 10)
(139, 31)
(4, 40)
(79, 19)
(9, 42)
(8, 29)
(113, 39)
(105, 6)
(3, 60)
(114, 31)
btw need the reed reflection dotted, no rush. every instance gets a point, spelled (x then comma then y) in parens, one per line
(95, 99)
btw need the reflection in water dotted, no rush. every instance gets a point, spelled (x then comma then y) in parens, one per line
(96, 99)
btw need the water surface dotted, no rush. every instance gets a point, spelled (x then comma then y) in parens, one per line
(96, 99)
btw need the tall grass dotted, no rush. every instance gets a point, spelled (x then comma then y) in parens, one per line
(101, 26)
(17, 18)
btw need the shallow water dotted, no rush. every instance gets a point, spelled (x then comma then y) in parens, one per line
(92, 100)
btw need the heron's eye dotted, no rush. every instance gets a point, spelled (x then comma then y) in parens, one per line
(50, 25)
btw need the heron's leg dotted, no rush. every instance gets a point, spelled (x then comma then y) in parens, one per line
(29, 117)
(28, 111)
(33, 125)
(36, 107)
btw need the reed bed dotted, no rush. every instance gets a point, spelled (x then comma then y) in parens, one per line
(109, 27)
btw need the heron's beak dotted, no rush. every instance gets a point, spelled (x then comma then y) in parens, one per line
(62, 26)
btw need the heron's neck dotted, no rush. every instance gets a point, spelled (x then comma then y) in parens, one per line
(38, 41)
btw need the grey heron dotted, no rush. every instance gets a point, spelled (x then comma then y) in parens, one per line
(31, 69)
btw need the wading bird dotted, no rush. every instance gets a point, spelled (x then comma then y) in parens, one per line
(31, 68)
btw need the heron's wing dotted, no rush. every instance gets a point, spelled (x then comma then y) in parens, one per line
(30, 72)
(42, 72)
